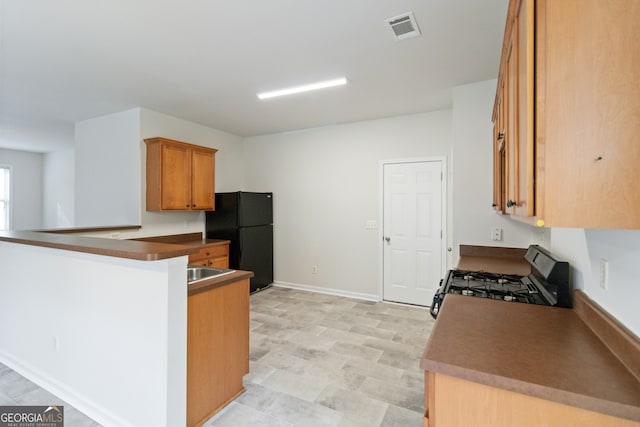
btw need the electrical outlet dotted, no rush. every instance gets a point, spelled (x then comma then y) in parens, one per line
(314, 269)
(496, 234)
(604, 273)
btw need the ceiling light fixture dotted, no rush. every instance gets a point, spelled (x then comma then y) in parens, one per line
(304, 88)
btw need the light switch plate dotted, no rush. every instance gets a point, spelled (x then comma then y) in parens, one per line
(371, 224)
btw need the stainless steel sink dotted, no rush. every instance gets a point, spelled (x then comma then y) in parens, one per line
(197, 273)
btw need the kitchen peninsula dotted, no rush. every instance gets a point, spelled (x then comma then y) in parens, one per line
(101, 323)
(495, 363)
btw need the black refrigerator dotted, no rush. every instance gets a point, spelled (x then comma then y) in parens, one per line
(246, 219)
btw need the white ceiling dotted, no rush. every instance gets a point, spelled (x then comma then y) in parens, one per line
(204, 60)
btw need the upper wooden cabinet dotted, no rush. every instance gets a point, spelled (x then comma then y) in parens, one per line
(180, 176)
(567, 114)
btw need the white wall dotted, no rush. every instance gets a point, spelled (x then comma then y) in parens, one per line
(58, 174)
(228, 169)
(473, 218)
(325, 184)
(107, 171)
(26, 209)
(107, 335)
(146, 123)
(472, 171)
(584, 248)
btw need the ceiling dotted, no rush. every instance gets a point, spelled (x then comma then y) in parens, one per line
(204, 60)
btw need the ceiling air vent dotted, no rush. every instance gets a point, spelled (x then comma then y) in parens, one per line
(404, 26)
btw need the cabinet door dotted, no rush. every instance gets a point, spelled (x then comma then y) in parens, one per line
(203, 175)
(589, 116)
(200, 262)
(511, 125)
(176, 177)
(217, 348)
(496, 169)
(525, 130)
(462, 403)
(498, 156)
(219, 262)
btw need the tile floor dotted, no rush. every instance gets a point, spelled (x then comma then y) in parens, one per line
(316, 360)
(17, 390)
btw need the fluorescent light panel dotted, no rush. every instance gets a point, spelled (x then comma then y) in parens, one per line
(304, 88)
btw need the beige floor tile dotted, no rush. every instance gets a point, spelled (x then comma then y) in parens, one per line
(299, 385)
(316, 360)
(357, 408)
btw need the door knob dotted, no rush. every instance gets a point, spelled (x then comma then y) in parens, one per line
(387, 239)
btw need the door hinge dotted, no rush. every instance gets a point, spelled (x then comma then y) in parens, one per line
(441, 234)
(441, 177)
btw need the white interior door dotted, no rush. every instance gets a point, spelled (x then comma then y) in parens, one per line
(412, 231)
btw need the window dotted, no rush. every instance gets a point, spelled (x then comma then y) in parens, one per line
(5, 197)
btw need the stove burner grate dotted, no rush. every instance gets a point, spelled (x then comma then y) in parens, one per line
(506, 287)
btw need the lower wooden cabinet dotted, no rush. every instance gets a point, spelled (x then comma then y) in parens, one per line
(454, 402)
(211, 256)
(217, 348)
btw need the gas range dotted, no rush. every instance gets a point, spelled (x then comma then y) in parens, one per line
(547, 284)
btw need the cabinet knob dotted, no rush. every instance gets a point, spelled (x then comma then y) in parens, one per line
(187, 205)
(511, 203)
(500, 135)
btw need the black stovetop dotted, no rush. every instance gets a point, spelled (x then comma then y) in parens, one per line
(484, 284)
(548, 283)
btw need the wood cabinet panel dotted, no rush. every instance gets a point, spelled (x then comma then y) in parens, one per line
(217, 348)
(591, 113)
(499, 152)
(176, 177)
(511, 122)
(524, 30)
(571, 113)
(219, 262)
(461, 403)
(203, 179)
(180, 176)
(211, 256)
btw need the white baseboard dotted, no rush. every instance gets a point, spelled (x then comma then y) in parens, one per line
(62, 391)
(329, 291)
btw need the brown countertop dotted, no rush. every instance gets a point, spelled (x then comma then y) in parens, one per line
(91, 229)
(494, 259)
(204, 242)
(540, 351)
(190, 240)
(130, 249)
(216, 282)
